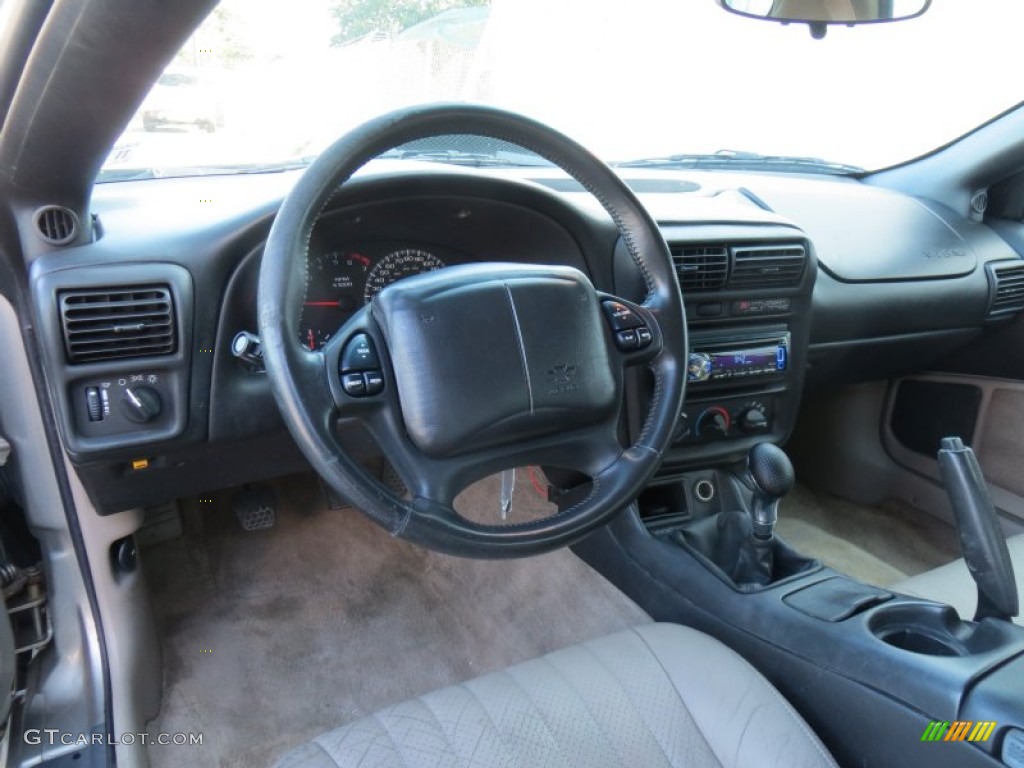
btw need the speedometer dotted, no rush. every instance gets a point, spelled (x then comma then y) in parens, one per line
(395, 266)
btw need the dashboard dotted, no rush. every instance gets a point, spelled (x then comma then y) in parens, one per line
(791, 282)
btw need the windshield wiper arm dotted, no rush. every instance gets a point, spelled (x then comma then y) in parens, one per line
(731, 158)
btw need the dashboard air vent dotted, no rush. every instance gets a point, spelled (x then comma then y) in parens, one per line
(772, 266)
(111, 323)
(56, 224)
(700, 268)
(1007, 283)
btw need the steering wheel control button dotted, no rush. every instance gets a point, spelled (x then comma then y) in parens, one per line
(627, 340)
(360, 368)
(354, 384)
(621, 317)
(644, 336)
(359, 355)
(374, 382)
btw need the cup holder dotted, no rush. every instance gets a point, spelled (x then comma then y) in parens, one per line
(917, 641)
(930, 629)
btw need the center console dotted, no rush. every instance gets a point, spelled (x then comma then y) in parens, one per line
(747, 290)
(854, 658)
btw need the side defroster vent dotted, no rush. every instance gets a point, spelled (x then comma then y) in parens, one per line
(111, 323)
(56, 224)
(700, 268)
(774, 266)
(1006, 281)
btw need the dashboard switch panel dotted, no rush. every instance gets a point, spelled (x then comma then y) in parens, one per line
(123, 403)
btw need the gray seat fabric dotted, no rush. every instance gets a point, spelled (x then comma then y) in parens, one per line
(657, 695)
(952, 583)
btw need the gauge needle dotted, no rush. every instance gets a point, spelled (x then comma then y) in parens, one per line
(312, 341)
(320, 304)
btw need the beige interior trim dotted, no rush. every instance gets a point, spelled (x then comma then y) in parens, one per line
(1006, 501)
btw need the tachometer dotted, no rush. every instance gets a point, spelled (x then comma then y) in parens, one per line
(332, 294)
(395, 266)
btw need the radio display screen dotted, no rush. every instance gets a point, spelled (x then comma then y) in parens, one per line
(760, 359)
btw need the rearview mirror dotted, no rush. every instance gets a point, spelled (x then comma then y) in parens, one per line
(818, 14)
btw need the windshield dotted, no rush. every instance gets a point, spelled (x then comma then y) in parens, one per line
(266, 86)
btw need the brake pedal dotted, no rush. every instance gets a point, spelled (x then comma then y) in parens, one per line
(255, 508)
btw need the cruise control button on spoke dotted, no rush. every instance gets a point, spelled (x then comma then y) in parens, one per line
(643, 335)
(621, 317)
(359, 354)
(354, 384)
(374, 382)
(626, 340)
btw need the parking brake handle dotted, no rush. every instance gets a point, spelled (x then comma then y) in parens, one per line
(981, 539)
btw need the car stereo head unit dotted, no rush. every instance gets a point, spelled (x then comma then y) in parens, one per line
(738, 358)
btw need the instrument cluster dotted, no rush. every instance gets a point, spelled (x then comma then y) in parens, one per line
(341, 280)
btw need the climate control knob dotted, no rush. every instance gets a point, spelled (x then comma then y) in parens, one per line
(753, 419)
(141, 404)
(714, 422)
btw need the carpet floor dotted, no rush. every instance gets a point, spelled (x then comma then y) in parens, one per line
(272, 637)
(880, 544)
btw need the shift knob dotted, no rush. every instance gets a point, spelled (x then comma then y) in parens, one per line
(771, 470)
(772, 473)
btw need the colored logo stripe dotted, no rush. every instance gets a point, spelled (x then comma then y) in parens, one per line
(959, 730)
(982, 731)
(935, 731)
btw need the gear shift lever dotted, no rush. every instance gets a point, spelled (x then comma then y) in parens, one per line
(773, 477)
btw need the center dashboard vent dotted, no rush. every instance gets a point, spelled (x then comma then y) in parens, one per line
(768, 266)
(700, 268)
(718, 266)
(1006, 279)
(115, 323)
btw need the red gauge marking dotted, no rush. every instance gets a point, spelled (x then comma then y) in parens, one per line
(312, 341)
(364, 260)
(334, 304)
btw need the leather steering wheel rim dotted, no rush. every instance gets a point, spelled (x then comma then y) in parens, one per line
(304, 382)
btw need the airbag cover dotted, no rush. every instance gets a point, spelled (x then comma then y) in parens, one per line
(489, 354)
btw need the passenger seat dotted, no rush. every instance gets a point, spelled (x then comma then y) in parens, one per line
(953, 584)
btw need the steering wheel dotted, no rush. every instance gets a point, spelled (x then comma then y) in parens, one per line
(474, 369)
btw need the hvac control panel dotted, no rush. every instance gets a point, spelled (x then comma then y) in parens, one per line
(725, 418)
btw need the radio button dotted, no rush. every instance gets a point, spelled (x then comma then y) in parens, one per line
(699, 367)
(781, 357)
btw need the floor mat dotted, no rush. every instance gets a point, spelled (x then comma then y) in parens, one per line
(272, 637)
(880, 544)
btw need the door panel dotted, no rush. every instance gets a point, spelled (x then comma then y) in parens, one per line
(988, 413)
